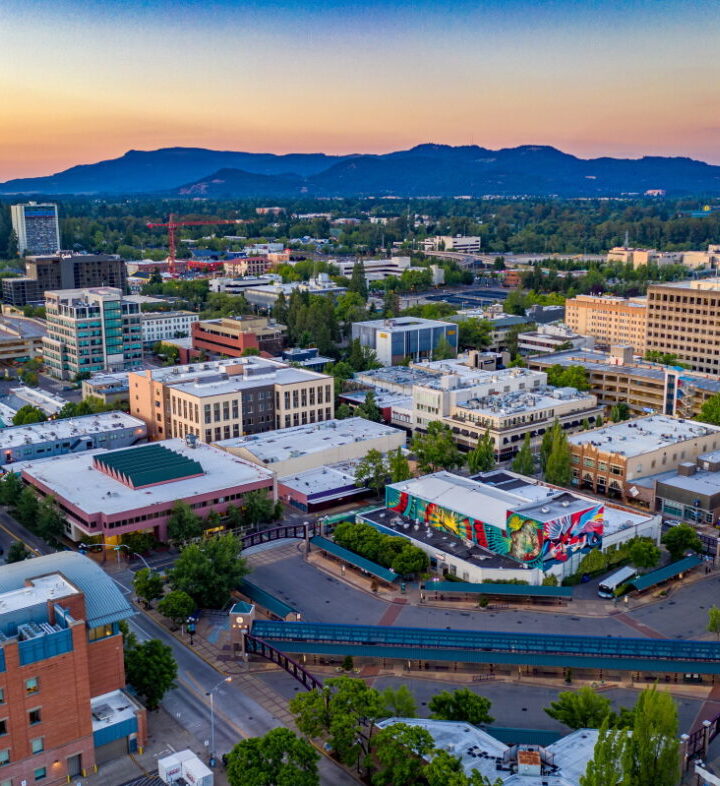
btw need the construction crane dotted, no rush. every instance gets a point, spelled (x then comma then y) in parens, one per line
(172, 224)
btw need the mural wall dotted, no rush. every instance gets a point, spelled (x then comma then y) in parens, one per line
(538, 544)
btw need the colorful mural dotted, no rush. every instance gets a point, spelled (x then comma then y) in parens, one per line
(535, 543)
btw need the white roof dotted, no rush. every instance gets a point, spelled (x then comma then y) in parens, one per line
(468, 497)
(221, 384)
(518, 401)
(111, 708)
(75, 479)
(40, 590)
(643, 435)
(401, 324)
(320, 480)
(478, 750)
(66, 428)
(282, 444)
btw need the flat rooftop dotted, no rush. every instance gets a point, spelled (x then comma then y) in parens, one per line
(563, 762)
(48, 402)
(191, 371)
(220, 384)
(395, 375)
(76, 479)
(643, 435)
(67, 428)
(111, 708)
(282, 444)
(383, 398)
(13, 327)
(40, 590)
(333, 480)
(519, 401)
(403, 324)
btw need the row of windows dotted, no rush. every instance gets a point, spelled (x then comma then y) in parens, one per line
(304, 417)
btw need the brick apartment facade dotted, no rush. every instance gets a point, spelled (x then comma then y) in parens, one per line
(61, 661)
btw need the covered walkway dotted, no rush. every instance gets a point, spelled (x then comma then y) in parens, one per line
(668, 572)
(514, 591)
(353, 559)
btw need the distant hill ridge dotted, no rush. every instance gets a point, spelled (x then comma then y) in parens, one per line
(424, 170)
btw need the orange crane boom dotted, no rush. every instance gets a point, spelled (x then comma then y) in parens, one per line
(172, 224)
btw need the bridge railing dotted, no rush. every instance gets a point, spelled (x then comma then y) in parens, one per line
(264, 650)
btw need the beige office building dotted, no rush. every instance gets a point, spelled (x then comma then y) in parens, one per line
(684, 320)
(610, 320)
(228, 398)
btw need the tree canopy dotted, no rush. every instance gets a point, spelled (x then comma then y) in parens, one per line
(681, 538)
(461, 705)
(436, 449)
(279, 758)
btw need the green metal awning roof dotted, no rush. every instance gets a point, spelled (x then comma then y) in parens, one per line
(265, 599)
(147, 465)
(354, 559)
(515, 590)
(668, 572)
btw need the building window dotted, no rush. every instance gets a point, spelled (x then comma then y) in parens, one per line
(32, 685)
(3, 726)
(4, 757)
(37, 745)
(40, 773)
(34, 716)
(100, 632)
(2, 695)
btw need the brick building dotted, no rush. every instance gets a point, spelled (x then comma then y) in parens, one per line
(63, 707)
(231, 336)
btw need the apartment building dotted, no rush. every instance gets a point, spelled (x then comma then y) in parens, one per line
(683, 319)
(231, 336)
(90, 330)
(393, 340)
(228, 398)
(247, 266)
(64, 710)
(509, 417)
(608, 460)
(618, 378)
(20, 338)
(610, 320)
(651, 256)
(36, 227)
(64, 271)
(161, 325)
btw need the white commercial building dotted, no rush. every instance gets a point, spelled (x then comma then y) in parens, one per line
(161, 325)
(552, 338)
(394, 340)
(375, 269)
(458, 243)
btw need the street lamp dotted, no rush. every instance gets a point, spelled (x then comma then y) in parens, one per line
(211, 693)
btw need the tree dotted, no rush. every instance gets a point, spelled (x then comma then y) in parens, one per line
(372, 471)
(619, 412)
(482, 457)
(605, 767)
(344, 710)
(280, 309)
(11, 250)
(558, 469)
(10, 488)
(26, 509)
(358, 282)
(582, 709)
(651, 755)
(177, 606)
(208, 571)
(713, 625)
(28, 414)
(444, 769)
(461, 705)
(369, 408)
(474, 334)
(398, 702)
(49, 522)
(17, 552)
(361, 358)
(399, 750)
(524, 461)
(643, 553)
(148, 585)
(569, 377)
(710, 411)
(410, 560)
(279, 758)
(436, 449)
(343, 412)
(259, 508)
(547, 443)
(398, 466)
(443, 350)
(183, 523)
(679, 539)
(150, 668)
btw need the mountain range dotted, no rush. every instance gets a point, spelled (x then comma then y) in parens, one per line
(424, 170)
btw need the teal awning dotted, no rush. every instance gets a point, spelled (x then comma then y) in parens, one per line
(353, 559)
(510, 590)
(668, 572)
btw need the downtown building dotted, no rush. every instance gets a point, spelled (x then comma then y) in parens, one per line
(64, 271)
(226, 399)
(91, 330)
(609, 320)
(64, 710)
(394, 340)
(36, 227)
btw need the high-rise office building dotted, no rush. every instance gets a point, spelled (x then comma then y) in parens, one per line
(64, 271)
(37, 228)
(91, 330)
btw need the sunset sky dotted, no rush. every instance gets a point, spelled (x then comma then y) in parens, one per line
(83, 80)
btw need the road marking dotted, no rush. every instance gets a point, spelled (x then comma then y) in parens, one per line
(15, 536)
(201, 695)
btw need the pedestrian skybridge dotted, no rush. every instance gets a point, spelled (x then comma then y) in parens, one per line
(476, 646)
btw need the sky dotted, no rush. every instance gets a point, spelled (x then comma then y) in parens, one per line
(86, 80)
